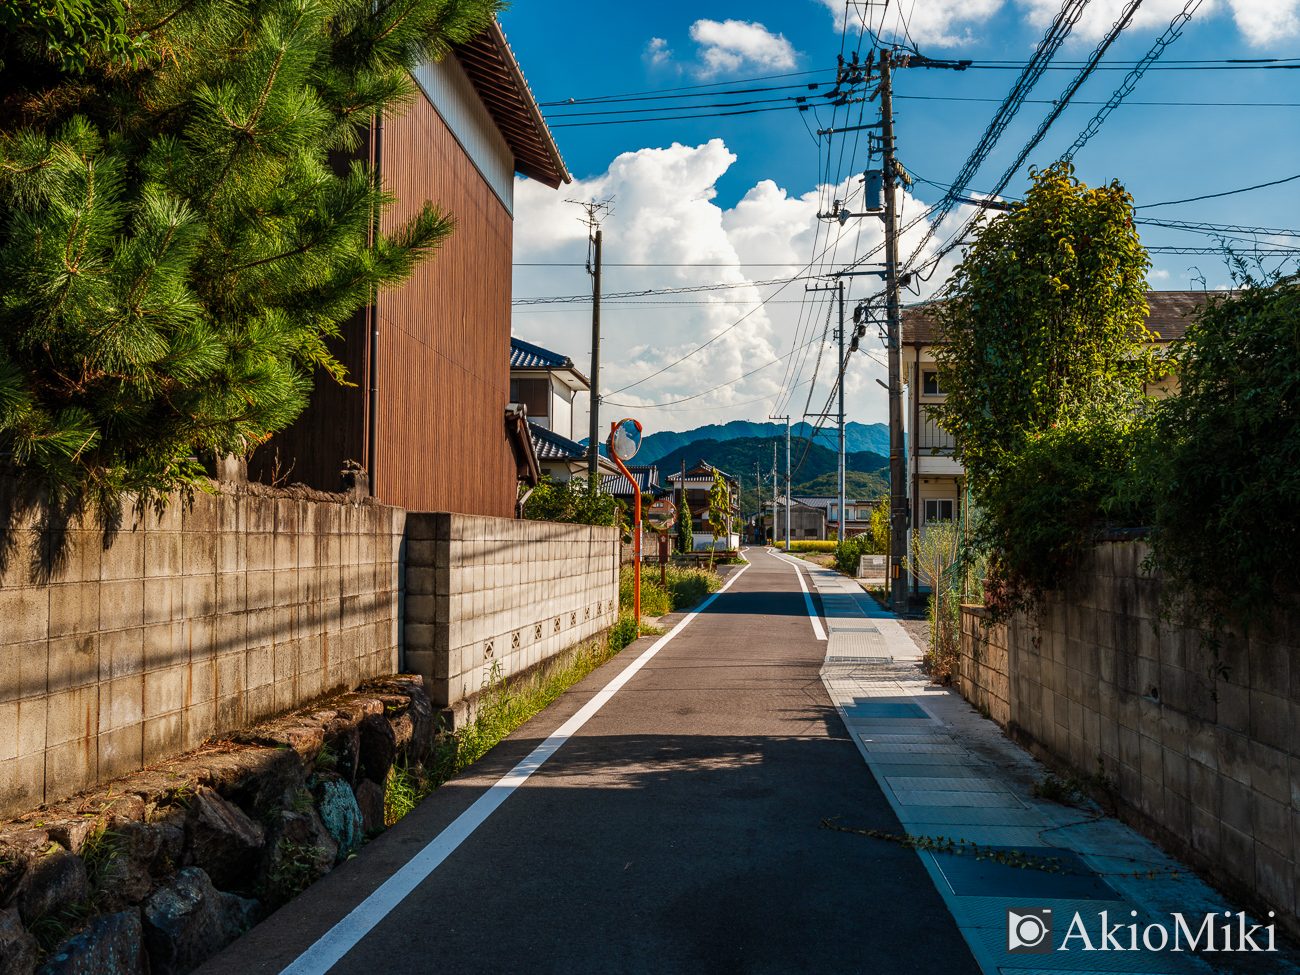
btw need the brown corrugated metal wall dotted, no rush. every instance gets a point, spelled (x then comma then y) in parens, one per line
(444, 349)
(444, 337)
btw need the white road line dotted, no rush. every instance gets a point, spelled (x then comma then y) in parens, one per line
(340, 939)
(807, 599)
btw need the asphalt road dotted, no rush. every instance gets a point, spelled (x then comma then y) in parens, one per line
(676, 832)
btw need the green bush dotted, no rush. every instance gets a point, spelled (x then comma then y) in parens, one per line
(851, 550)
(1228, 471)
(1052, 496)
(571, 502)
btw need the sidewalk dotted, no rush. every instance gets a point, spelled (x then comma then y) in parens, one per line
(947, 772)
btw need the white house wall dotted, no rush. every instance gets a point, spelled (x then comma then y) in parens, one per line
(561, 408)
(452, 95)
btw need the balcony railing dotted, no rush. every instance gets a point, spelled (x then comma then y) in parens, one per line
(934, 439)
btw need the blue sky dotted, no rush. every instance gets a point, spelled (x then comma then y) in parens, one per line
(746, 188)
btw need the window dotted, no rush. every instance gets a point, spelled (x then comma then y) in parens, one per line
(930, 384)
(938, 510)
(535, 394)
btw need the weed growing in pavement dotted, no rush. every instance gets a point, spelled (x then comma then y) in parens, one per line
(1010, 858)
(1074, 788)
(407, 784)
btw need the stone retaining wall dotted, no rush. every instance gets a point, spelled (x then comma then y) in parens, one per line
(493, 592)
(120, 649)
(164, 868)
(1210, 767)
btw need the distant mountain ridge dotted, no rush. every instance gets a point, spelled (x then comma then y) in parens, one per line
(858, 437)
(738, 457)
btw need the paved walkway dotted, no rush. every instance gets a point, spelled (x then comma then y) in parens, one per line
(947, 772)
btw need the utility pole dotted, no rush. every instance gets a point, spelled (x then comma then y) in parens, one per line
(898, 582)
(843, 369)
(594, 213)
(787, 483)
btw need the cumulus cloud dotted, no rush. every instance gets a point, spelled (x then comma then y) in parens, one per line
(1265, 22)
(665, 213)
(948, 23)
(657, 53)
(1261, 22)
(731, 45)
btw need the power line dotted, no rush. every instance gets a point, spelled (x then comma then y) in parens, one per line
(1057, 32)
(1213, 196)
(1171, 34)
(712, 84)
(720, 286)
(1059, 105)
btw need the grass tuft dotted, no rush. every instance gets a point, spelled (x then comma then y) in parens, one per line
(686, 586)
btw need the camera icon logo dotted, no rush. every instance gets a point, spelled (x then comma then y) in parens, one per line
(1029, 933)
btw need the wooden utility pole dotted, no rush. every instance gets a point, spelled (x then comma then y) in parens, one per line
(595, 211)
(843, 369)
(593, 442)
(898, 574)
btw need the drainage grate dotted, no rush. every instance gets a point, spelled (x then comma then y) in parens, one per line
(859, 660)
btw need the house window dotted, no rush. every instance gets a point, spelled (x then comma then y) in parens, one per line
(930, 385)
(938, 510)
(535, 394)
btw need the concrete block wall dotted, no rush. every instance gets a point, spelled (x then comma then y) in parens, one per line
(1209, 766)
(982, 666)
(482, 591)
(121, 649)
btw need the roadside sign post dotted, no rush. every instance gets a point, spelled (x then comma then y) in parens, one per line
(624, 442)
(662, 516)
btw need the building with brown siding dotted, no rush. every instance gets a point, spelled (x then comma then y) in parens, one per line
(427, 416)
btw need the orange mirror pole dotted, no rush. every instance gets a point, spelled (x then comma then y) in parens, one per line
(636, 531)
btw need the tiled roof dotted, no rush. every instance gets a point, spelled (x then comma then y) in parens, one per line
(701, 473)
(551, 446)
(824, 503)
(525, 355)
(647, 479)
(1166, 318)
(495, 74)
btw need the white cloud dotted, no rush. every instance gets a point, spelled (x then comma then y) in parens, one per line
(1261, 22)
(730, 45)
(1265, 22)
(664, 212)
(657, 53)
(947, 23)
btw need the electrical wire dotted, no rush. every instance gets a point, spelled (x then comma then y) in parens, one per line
(1215, 196)
(1055, 36)
(1171, 34)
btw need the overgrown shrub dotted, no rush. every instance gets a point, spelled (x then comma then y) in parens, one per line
(1045, 365)
(1051, 497)
(850, 551)
(575, 501)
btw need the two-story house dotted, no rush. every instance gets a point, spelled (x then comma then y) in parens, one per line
(936, 480)
(696, 486)
(544, 384)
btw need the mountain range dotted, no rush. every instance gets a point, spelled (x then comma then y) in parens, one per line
(873, 437)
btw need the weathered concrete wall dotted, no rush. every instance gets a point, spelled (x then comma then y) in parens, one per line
(1209, 767)
(120, 650)
(483, 591)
